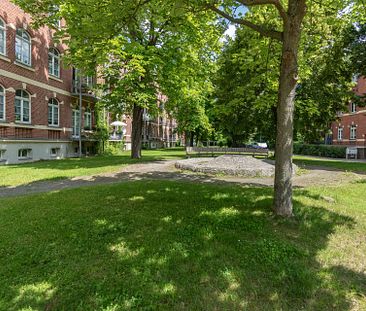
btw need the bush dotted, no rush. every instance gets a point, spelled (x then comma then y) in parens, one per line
(113, 148)
(328, 151)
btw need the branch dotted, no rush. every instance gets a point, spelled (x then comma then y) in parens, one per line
(276, 3)
(274, 34)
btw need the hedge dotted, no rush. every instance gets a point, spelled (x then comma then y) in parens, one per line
(328, 151)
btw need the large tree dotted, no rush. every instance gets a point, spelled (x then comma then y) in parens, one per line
(137, 46)
(91, 21)
(290, 14)
(247, 82)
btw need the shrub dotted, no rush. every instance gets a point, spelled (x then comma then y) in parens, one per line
(320, 150)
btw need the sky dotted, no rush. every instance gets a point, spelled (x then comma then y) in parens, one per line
(240, 11)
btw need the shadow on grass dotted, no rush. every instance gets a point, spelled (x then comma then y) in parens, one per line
(168, 246)
(25, 174)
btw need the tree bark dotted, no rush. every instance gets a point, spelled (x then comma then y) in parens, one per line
(285, 108)
(191, 139)
(137, 121)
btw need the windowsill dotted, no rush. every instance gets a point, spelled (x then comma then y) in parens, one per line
(5, 58)
(25, 159)
(23, 123)
(54, 126)
(55, 78)
(25, 66)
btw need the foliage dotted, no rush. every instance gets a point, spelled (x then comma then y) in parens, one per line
(101, 133)
(164, 245)
(246, 84)
(355, 39)
(246, 88)
(147, 53)
(320, 150)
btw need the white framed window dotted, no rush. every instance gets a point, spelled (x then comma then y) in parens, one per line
(24, 154)
(2, 37)
(23, 47)
(353, 107)
(54, 62)
(75, 123)
(53, 112)
(88, 81)
(2, 103)
(2, 155)
(54, 152)
(87, 119)
(340, 133)
(353, 132)
(22, 107)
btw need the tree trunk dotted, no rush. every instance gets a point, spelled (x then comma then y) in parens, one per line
(191, 139)
(136, 132)
(285, 108)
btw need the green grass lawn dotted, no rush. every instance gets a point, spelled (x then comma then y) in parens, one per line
(339, 164)
(14, 175)
(180, 246)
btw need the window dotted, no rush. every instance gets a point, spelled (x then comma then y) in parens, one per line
(54, 62)
(22, 107)
(87, 119)
(2, 103)
(75, 123)
(353, 132)
(55, 152)
(340, 133)
(24, 154)
(23, 47)
(89, 81)
(353, 107)
(53, 112)
(2, 37)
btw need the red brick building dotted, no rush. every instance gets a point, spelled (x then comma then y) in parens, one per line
(350, 129)
(39, 100)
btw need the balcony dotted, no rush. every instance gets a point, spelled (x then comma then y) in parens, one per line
(87, 85)
(116, 137)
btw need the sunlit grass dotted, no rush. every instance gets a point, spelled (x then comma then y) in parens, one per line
(14, 175)
(338, 164)
(179, 246)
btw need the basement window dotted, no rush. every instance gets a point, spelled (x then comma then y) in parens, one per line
(25, 154)
(55, 152)
(2, 155)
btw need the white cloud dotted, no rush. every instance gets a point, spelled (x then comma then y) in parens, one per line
(231, 31)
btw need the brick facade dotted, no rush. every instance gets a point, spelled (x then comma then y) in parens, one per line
(34, 78)
(350, 128)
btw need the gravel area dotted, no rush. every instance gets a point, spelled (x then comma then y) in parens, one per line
(234, 165)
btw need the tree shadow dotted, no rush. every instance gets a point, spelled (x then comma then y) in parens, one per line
(169, 246)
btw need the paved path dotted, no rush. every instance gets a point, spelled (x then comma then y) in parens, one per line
(165, 170)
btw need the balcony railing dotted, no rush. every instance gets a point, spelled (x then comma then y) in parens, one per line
(116, 137)
(86, 87)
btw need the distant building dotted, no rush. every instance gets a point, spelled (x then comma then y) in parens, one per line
(350, 128)
(39, 98)
(157, 132)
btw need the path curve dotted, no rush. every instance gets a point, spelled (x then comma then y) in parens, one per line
(165, 170)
